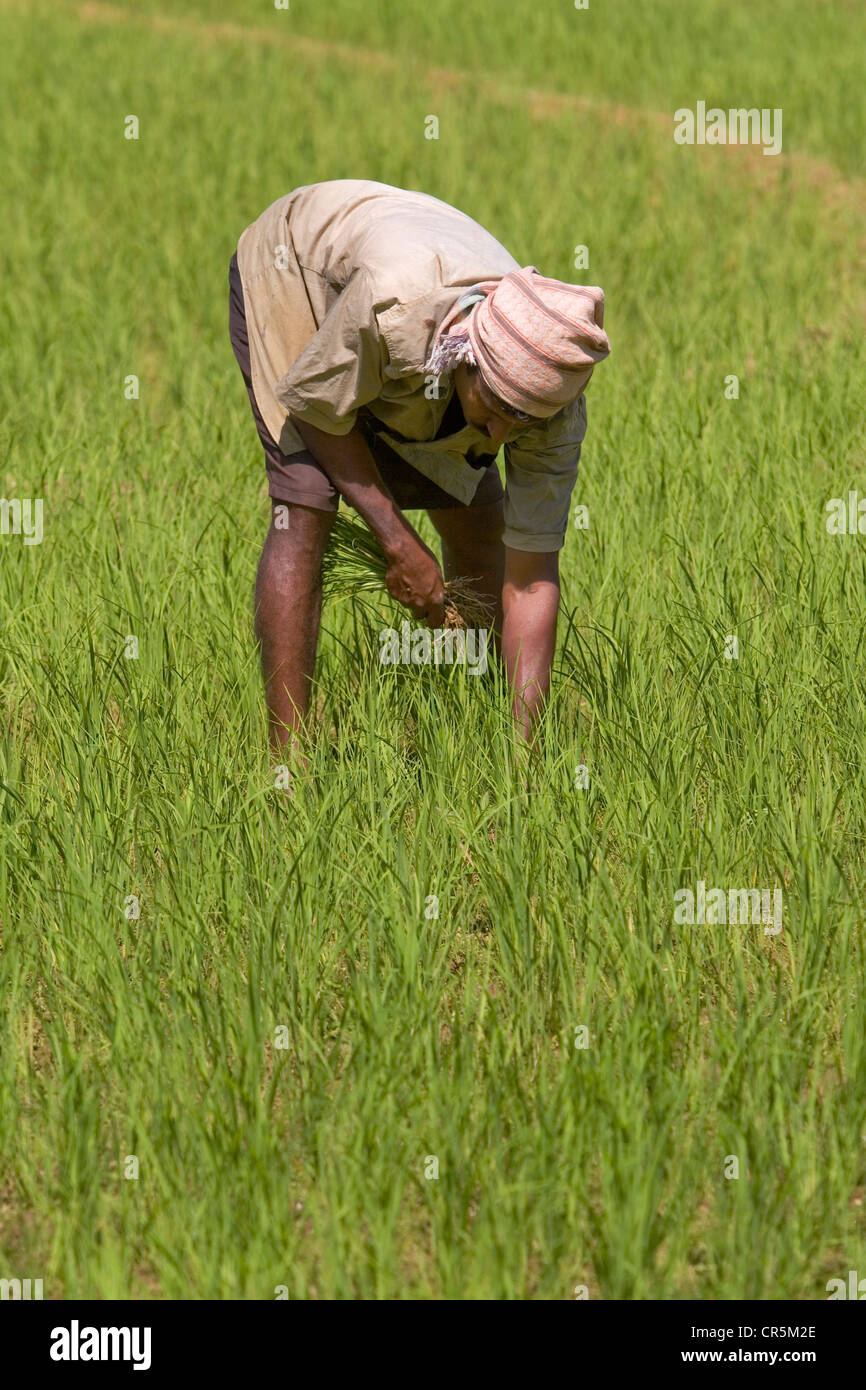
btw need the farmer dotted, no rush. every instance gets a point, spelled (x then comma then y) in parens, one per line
(390, 346)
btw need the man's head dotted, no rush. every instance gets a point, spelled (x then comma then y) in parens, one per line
(524, 350)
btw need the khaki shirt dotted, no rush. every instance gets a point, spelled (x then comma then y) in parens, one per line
(345, 287)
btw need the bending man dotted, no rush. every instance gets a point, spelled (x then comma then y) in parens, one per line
(390, 347)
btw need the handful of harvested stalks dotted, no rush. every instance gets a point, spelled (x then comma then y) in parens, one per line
(354, 562)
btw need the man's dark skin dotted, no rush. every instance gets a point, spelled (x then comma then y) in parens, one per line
(523, 586)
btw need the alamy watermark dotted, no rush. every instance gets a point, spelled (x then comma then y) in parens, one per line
(738, 126)
(855, 1287)
(77, 1343)
(424, 646)
(22, 516)
(846, 516)
(737, 906)
(20, 1289)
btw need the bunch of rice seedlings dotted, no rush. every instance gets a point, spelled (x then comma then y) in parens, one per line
(354, 562)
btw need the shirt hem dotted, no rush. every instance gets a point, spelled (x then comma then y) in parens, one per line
(535, 545)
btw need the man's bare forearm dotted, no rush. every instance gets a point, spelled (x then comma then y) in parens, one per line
(530, 603)
(413, 576)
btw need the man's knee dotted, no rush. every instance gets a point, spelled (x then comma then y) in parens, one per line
(299, 531)
(291, 560)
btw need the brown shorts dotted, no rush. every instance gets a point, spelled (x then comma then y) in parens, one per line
(298, 478)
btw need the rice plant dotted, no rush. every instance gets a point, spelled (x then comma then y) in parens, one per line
(354, 563)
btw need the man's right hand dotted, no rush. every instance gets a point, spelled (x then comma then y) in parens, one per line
(413, 576)
(414, 579)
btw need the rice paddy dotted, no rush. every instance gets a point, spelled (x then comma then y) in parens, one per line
(432, 1027)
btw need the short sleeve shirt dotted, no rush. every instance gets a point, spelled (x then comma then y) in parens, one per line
(346, 285)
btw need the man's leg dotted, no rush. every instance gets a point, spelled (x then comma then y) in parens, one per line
(288, 603)
(472, 548)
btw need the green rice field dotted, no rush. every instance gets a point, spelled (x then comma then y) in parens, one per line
(431, 1026)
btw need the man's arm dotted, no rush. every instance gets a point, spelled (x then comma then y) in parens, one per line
(413, 576)
(540, 469)
(530, 602)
